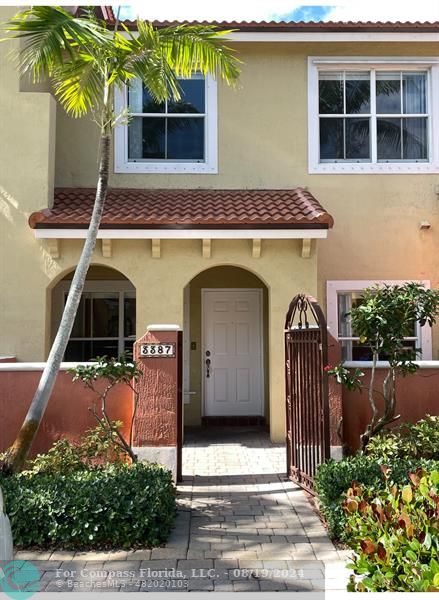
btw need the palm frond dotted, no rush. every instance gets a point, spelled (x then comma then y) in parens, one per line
(51, 36)
(191, 48)
(79, 85)
(160, 56)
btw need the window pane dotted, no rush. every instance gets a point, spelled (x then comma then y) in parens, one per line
(357, 139)
(128, 347)
(344, 307)
(192, 97)
(141, 101)
(146, 138)
(331, 139)
(81, 326)
(414, 93)
(105, 348)
(78, 351)
(388, 93)
(357, 93)
(331, 93)
(129, 316)
(106, 317)
(389, 139)
(186, 138)
(414, 135)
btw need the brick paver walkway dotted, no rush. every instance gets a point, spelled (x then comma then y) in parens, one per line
(241, 526)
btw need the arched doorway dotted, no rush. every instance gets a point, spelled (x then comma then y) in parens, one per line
(225, 349)
(105, 323)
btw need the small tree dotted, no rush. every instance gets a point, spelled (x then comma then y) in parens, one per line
(384, 318)
(101, 377)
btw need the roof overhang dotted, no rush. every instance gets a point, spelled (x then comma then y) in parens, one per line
(331, 36)
(184, 234)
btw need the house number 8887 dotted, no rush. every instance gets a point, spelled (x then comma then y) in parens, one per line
(157, 350)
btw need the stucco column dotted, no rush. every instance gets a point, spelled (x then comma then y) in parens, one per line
(157, 430)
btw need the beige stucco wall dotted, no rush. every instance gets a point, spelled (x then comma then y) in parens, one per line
(262, 144)
(27, 144)
(160, 282)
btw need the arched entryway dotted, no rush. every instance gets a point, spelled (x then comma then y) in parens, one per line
(105, 323)
(226, 379)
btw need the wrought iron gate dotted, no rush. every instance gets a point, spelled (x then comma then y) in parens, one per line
(307, 403)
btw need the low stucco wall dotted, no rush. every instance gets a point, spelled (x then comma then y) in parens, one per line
(417, 395)
(67, 415)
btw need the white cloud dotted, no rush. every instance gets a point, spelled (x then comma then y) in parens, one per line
(227, 10)
(359, 10)
(249, 10)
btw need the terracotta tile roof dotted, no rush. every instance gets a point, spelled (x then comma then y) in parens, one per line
(178, 208)
(309, 26)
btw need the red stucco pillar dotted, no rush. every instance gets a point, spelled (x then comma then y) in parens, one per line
(335, 401)
(157, 431)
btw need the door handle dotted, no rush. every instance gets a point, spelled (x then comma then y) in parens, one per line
(208, 367)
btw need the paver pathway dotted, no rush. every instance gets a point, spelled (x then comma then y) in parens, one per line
(241, 526)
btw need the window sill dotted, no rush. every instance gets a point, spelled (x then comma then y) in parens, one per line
(367, 168)
(178, 168)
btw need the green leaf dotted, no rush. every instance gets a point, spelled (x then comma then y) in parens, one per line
(411, 555)
(427, 541)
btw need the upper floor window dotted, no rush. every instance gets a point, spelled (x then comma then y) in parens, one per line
(371, 117)
(173, 136)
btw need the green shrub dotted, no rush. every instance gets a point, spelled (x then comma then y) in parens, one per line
(114, 506)
(418, 440)
(395, 535)
(96, 448)
(334, 478)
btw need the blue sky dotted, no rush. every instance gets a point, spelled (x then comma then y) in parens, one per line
(260, 10)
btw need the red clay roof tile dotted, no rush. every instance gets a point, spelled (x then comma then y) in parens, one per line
(309, 26)
(177, 208)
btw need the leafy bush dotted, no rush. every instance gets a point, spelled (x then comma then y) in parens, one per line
(95, 448)
(395, 534)
(114, 506)
(418, 440)
(334, 478)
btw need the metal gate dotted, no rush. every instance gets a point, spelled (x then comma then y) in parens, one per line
(307, 403)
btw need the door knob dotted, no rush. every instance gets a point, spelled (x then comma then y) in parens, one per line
(207, 367)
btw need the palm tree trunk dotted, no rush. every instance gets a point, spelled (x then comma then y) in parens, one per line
(18, 452)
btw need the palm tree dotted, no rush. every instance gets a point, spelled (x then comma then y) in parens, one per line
(85, 61)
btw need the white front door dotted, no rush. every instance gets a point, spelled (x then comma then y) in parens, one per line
(232, 352)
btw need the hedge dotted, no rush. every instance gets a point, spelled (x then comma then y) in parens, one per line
(119, 505)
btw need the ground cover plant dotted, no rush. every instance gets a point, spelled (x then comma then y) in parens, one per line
(402, 449)
(395, 535)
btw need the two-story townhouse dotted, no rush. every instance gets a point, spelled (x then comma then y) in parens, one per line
(319, 174)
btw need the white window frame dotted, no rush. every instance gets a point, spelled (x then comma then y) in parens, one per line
(98, 286)
(208, 166)
(333, 288)
(358, 63)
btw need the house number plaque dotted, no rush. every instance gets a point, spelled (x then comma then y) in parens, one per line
(157, 350)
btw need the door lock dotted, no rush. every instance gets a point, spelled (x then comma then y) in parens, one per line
(208, 367)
